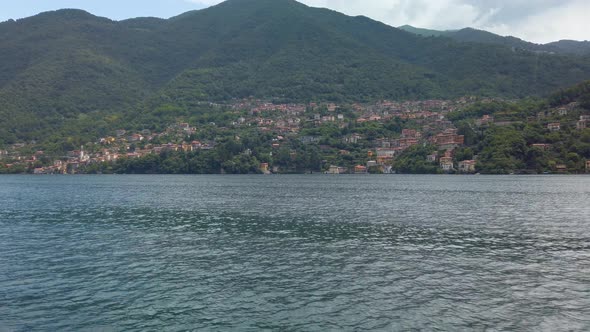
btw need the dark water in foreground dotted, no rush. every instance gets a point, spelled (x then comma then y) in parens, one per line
(302, 253)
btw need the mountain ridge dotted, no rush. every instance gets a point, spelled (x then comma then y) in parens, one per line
(481, 36)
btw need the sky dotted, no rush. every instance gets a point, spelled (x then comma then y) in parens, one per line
(538, 21)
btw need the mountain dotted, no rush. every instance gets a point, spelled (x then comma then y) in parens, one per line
(572, 46)
(426, 32)
(68, 74)
(481, 36)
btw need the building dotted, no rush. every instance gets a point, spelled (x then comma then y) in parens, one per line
(386, 153)
(467, 166)
(359, 169)
(411, 133)
(583, 123)
(446, 163)
(448, 140)
(352, 139)
(309, 139)
(371, 163)
(387, 169)
(485, 120)
(336, 170)
(555, 126)
(196, 145)
(135, 138)
(133, 155)
(187, 147)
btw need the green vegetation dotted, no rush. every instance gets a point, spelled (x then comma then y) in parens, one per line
(67, 76)
(522, 137)
(413, 161)
(520, 141)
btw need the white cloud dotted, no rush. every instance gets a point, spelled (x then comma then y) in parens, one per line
(533, 20)
(569, 21)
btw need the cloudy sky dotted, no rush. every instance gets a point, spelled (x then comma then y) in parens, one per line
(533, 20)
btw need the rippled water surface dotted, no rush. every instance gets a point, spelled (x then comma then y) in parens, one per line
(309, 253)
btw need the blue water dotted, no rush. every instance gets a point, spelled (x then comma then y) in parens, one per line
(300, 253)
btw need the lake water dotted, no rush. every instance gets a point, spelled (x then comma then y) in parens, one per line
(299, 253)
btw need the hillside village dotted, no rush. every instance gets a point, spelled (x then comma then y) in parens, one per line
(422, 123)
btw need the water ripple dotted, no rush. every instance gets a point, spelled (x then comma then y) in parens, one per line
(294, 253)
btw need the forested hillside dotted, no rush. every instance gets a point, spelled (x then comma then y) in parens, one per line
(529, 136)
(67, 75)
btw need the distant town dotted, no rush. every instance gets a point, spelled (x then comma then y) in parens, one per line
(285, 122)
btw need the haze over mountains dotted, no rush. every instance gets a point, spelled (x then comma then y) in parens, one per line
(69, 65)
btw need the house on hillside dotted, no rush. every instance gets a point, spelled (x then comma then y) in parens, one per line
(336, 170)
(485, 120)
(135, 138)
(446, 163)
(411, 133)
(386, 153)
(264, 168)
(541, 146)
(359, 169)
(555, 126)
(467, 166)
(448, 140)
(352, 139)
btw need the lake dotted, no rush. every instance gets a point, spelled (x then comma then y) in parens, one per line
(298, 253)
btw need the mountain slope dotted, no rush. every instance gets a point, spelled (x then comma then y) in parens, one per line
(572, 46)
(291, 32)
(67, 72)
